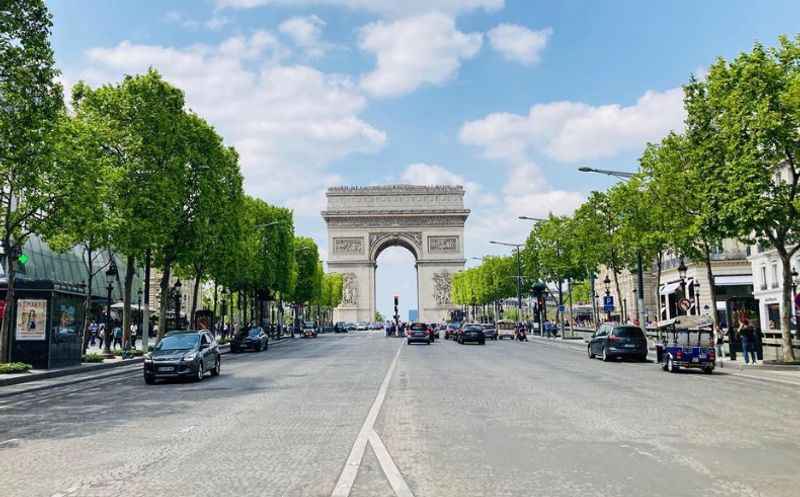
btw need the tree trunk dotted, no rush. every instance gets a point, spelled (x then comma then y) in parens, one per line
(164, 301)
(215, 310)
(658, 286)
(788, 305)
(88, 299)
(713, 289)
(7, 327)
(130, 267)
(619, 291)
(195, 291)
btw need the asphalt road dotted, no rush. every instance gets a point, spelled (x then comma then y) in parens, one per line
(322, 417)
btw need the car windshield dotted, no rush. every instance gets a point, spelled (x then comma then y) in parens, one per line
(418, 327)
(254, 332)
(472, 328)
(178, 342)
(628, 332)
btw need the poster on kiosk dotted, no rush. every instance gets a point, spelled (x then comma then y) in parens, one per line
(31, 319)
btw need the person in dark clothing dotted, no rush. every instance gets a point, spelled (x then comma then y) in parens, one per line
(747, 334)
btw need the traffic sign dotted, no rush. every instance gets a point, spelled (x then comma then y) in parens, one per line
(608, 301)
(685, 304)
(561, 308)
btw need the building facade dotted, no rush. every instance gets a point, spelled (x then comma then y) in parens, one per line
(767, 289)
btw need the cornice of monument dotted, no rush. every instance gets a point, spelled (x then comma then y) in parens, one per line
(399, 189)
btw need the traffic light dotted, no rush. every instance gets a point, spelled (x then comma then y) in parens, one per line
(396, 303)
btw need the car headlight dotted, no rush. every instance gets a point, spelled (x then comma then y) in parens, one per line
(148, 358)
(190, 356)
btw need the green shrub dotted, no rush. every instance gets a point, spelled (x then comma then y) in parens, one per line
(14, 367)
(93, 357)
(136, 352)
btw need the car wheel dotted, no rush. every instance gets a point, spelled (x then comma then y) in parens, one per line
(408, 342)
(708, 370)
(589, 350)
(200, 372)
(671, 366)
(605, 356)
(482, 342)
(217, 367)
(149, 379)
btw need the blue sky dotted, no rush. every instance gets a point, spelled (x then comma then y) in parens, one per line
(506, 97)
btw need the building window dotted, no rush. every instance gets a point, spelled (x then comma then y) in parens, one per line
(774, 276)
(763, 277)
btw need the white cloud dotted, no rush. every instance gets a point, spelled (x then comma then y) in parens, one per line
(574, 131)
(306, 33)
(214, 23)
(518, 43)
(395, 8)
(526, 193)
(411, 52)
(287, 122)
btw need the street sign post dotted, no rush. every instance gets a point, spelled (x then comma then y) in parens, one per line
(608, 303)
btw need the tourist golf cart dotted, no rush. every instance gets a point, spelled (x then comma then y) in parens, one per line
(686, 342)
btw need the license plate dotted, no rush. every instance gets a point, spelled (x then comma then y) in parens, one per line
(703, 356)
(630, 346)
(695, 359)
(166, 369)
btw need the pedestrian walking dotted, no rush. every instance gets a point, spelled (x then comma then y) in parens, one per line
(92, 333)
(134, 331)
(747, 335)
(101, 334)
(719, 340)
(117, 332)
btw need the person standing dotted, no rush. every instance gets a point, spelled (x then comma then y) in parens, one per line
(134, 331)
(747, 335)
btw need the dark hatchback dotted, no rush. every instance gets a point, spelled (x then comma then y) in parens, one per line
(471, 333)
(618, 341)
(418, 333)
(253, 339)
(183, 354)
(489, 331)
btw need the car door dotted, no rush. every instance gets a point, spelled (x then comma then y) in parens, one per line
(207, 356)
(598, 340)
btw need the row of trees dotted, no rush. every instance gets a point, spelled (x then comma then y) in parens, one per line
(731, 174)
(129, 169)
(489, 283)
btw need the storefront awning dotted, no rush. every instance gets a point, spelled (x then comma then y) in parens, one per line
(733, 280)
(670, 288)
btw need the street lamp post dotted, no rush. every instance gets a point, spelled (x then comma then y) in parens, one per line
(607, 283)
(626, 175)
(682, 274)
(176, 288)
(110, 273)
(139, 321)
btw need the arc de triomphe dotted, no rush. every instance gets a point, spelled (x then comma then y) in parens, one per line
(426, 220)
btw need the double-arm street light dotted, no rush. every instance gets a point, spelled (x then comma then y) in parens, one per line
(625, 175)
(517, 246)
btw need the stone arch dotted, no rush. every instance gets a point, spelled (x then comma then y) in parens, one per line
(379, 241)
(428, 221)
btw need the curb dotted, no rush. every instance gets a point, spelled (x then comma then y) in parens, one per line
(224, 350)
(68, 371)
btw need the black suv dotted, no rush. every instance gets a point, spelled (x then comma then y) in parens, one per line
(183, 354)
(615, 341)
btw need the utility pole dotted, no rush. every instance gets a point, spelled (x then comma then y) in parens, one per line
(517, 246)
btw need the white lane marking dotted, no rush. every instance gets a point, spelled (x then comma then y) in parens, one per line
(348, 477)
(389, 468)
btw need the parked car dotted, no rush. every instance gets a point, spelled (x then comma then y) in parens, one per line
(418, 333)
(489, 331)
(340, 327)
(506, 329)
(254, 339)
(309, 329)
(183, 354)
(471, 333)
(616, 341)
(351, 326)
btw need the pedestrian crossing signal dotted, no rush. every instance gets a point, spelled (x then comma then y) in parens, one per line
(23, 259)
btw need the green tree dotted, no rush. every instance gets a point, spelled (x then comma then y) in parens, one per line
(749, 108)
(31, 106)
(147, 137)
